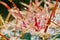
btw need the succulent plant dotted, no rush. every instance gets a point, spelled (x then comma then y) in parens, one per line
(35, 21)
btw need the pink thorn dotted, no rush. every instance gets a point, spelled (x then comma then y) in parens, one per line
(24, 25)
(30, 4)
(49, 0)
(19, 28)
(36, 1)
(37, 24)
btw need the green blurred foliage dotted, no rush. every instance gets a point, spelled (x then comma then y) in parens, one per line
(27, 36)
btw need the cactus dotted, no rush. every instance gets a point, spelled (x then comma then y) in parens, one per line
(38, 21)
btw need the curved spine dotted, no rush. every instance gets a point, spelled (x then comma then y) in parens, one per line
(3, 3)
